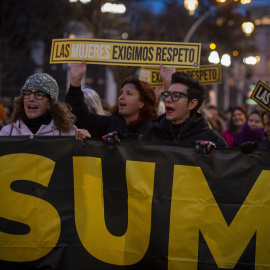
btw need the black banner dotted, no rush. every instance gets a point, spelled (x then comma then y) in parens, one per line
(67, 204)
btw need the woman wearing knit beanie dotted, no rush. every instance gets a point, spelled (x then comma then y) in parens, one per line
(37, 110)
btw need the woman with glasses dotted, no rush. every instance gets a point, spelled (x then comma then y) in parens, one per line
(37, 110)
(182, 124)
(134, 113)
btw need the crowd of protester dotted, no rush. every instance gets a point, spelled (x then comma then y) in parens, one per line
(173, 113)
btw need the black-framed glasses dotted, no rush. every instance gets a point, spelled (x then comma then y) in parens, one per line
(39, 95)
(175, 96)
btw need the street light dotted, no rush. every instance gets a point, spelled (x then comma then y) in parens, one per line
(113, 8)
(250, 60)
(191, 5)
(242, 1)
(225, 60)
(248, 28)
(82, 1)
(214, 57)
(245, 2)
(212, 46)
(202, 18)
(207, 14)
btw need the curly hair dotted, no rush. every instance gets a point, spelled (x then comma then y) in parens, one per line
(60, 113)
(147, 96)
(195, 89)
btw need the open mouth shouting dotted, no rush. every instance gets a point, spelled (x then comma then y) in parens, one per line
(122, 104)
(169, 110)
(32, 111)
(36, 108)
(32, 107)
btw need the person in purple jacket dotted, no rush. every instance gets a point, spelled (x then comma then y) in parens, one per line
(251, 131)
(239, 116)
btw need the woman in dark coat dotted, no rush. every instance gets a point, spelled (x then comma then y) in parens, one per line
(135, 107)
(182, 124)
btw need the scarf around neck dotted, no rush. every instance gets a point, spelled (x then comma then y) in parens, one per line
(35, 123)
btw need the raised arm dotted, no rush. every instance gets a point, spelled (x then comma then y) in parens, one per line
(77, 71)
(166, 75)
(96, 124)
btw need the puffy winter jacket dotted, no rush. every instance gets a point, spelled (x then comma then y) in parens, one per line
(190, 131)
(20, 129)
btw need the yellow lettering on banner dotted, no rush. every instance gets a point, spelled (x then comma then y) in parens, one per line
(123, 52)
(194, 208)
(208, 74)
(39, 215)
(89, 211)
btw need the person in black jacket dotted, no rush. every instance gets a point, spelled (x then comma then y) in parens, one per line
(182, 124)
(135, 107)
